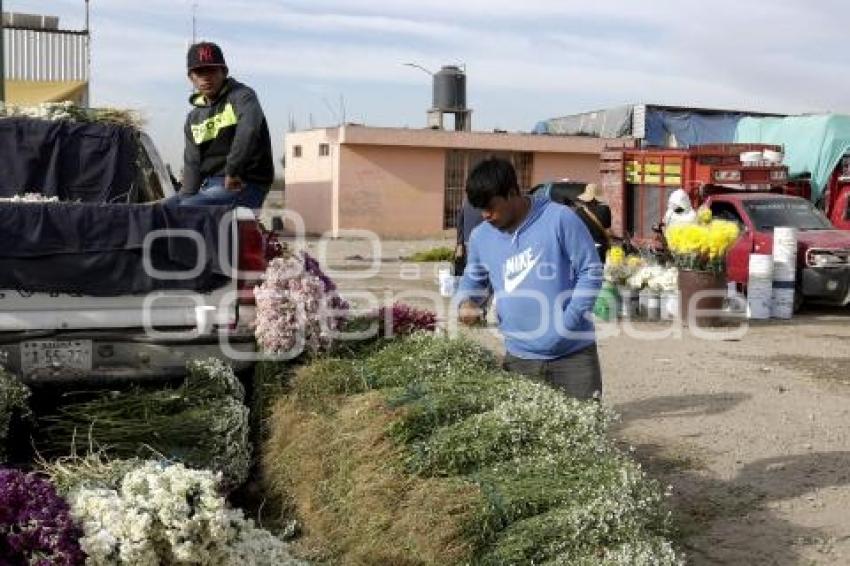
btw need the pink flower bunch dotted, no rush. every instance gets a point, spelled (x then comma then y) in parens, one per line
(295, 311)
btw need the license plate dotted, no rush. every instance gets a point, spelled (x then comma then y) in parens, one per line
(56, 354)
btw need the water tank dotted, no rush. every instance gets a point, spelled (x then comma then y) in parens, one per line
(450, 89)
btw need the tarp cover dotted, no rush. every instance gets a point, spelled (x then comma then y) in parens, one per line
(98, 249)
(611, 123)
(91, 162)
(689, 128)
(813, 144)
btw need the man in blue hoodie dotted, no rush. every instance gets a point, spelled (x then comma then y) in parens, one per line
(544, 269)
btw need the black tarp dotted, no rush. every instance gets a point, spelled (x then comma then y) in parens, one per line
(88, 162)
(97, 249)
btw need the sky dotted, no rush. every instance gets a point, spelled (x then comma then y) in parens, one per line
(526, 60)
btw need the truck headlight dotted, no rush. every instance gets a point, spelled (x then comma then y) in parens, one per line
(827, 258)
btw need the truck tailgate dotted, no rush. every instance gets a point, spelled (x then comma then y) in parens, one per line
(21, 311)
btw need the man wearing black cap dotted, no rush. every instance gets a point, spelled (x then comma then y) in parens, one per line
(228, 157)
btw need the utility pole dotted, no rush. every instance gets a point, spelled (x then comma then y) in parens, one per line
(194, 23)
(2, 58)
(88, 54)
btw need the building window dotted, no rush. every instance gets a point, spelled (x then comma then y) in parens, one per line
(459, 163)
(296, 151)
(324, 150)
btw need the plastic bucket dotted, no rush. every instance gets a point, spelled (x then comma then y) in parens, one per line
(775, 157)
(782, 304)
(752, 157)
(670, 305)
(702, 291)
(784, 254)
(649, 305)
(447, 282)
(628, 303)
(760, 286)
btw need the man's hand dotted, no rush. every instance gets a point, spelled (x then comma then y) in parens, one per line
(233, 183)
(469, 313)
(460, 251)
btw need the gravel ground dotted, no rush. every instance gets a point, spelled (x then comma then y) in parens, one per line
(750, 432)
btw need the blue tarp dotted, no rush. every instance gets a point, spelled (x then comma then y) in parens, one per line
(813, 145)
(689, 128)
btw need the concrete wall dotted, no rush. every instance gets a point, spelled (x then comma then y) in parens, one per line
(391, 180)
(392, 191)
(574, 166)
(310, 179)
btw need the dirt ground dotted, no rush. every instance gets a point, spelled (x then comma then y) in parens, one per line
(750, 433)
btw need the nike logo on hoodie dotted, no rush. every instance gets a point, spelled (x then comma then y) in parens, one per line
(518, 267)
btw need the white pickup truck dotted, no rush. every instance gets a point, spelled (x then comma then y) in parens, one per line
(144, 328)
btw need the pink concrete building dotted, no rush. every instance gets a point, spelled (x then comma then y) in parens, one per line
(409, 183)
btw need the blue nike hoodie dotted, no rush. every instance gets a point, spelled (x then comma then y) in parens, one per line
(545, 277)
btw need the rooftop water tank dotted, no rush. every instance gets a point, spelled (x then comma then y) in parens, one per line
(450, 89)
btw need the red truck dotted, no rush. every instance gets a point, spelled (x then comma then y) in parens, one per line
(755, 194)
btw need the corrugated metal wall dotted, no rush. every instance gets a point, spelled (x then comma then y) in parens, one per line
(33, 55)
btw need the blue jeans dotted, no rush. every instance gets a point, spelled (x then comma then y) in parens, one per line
(213, 193)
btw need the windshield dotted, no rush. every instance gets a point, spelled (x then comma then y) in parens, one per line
(795, 213)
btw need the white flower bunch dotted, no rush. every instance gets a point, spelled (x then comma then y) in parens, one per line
(294, 313)
(68, 111)
(664, 279)
(14, 397)
(29, 197)
(43, 111)
(655, 278)
(170, 515)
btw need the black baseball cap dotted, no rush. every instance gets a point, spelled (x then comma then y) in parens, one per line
(205, 54)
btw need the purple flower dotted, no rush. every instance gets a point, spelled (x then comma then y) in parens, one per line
(313, 268)
(35, 523)
(402, 320)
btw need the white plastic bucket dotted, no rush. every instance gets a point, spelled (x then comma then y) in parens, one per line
(205, 319)
(775, 157)
(760, 286)
(650, 305)
(447, 282)
(784, 254)
(628, 303)
(752, 157)
(782, 305)
(670, 305)
(761, 267)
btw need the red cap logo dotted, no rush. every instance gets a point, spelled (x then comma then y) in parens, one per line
(205, 54)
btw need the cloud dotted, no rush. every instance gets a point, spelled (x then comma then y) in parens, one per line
(526, 60)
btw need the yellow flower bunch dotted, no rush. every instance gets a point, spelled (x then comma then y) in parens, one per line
(721, 235)
(687, 238)
(712, 240)
(634, 261)
(704, 215)
(616, 256)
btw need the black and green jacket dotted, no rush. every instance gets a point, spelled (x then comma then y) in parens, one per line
(230, 136)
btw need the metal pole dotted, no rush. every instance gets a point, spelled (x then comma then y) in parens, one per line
(88, 55)
(194, 23)
(420, 67)
(2, 58)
